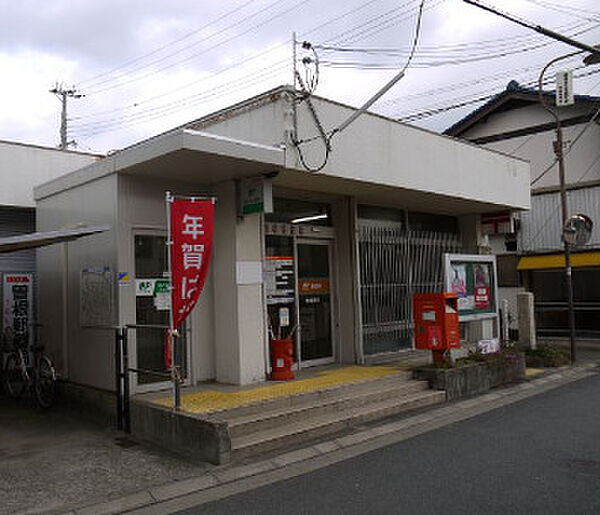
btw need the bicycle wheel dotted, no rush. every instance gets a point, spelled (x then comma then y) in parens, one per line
(45, 383)
(14, 379)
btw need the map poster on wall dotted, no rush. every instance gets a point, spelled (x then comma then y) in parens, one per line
(96, 297)
(473, 278)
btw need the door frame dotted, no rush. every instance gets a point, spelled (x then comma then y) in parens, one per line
(132, 333)
(329, 243)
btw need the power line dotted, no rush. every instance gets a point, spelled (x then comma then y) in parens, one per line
(170, 44)
(335, 19)
(271, 18)
(327, 138)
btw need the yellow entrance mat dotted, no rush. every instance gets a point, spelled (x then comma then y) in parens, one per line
(208, 401)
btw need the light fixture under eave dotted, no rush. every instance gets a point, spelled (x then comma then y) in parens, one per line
(309, 218)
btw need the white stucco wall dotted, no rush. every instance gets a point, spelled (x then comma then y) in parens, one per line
(381, 151)
(582, 164)
(24, 166)
(83, 355)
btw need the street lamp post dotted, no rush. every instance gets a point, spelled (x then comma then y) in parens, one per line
(559, 152)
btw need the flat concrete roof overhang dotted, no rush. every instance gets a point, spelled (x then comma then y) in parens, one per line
(387, 196)
(183, 155)
(200, 157)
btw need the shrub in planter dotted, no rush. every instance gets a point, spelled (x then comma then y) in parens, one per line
(475, 373)
(546, 356)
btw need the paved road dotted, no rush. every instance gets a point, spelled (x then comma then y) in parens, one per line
(541, 455)
(49, 461)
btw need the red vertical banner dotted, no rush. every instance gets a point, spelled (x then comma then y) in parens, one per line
(191, 236)
(191, 244)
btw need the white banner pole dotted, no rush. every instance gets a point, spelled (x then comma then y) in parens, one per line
(172, 339)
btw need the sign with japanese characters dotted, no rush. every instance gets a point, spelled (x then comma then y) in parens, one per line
(255, 195)
(279, 279)
(191, 237)
(17, 290)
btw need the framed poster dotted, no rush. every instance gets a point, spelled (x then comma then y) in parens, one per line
(473, 278)
(96, 297)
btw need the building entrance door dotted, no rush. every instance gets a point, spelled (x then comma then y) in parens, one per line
(152, 300)
(314, 299)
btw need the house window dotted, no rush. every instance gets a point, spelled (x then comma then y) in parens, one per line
(508, 275)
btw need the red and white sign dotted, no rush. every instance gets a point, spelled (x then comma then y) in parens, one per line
(17, 291)
(191, 244)
(482, 297)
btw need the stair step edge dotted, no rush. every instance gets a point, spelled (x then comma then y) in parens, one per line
(402, 390)
(293, 430)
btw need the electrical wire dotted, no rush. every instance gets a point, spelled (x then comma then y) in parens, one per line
(154, 112)
(570, 10)
(335, 19)
(421, 114)
(126, 64)
(569, 147)
(328, 137)
(271, 18)
(241, 61)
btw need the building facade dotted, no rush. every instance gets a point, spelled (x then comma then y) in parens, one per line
(22, 167)
(338, 258)
(530, 243)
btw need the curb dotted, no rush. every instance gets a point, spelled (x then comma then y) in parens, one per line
(190, 492)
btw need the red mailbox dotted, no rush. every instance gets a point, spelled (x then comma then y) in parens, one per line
(282, 351)
(436, 322)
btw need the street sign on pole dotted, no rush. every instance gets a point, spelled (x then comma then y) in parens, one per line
(564, 89)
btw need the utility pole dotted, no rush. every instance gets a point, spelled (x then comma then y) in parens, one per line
(592, 58)
(62, 95)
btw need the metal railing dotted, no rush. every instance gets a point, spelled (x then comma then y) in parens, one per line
(123, 371)
(393, 265)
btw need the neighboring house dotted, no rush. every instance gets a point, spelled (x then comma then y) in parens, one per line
(514, 122)
(365, 232)
(22, 167)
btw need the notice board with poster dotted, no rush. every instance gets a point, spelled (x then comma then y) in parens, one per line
(279, 280)
(473, 278)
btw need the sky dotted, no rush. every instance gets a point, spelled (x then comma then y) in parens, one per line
(145, 66)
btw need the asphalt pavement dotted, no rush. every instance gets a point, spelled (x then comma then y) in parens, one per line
(51, 462)
(540, 455)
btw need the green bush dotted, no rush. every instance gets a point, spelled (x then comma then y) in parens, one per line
(546, 356)
(507, 352)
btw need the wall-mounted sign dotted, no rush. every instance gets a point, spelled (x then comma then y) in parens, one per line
(473, 279)
(279, 279)
(313, 286)
(124, 278)
(255, 195)
(17, 292)
(96, 297)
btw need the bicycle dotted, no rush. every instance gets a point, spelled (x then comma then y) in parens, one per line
(39, 378)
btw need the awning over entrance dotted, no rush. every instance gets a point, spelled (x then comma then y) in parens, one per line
(548, 261)
(41, 239)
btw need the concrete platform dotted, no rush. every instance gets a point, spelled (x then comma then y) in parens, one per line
(219, 422)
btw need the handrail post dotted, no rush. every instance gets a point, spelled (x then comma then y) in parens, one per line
(119, 376)
(126, 403)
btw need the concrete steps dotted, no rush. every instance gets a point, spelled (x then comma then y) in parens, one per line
(287, 422)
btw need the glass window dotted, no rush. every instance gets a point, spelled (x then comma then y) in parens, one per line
(151, 263)
(508, 275)
(294, 211)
